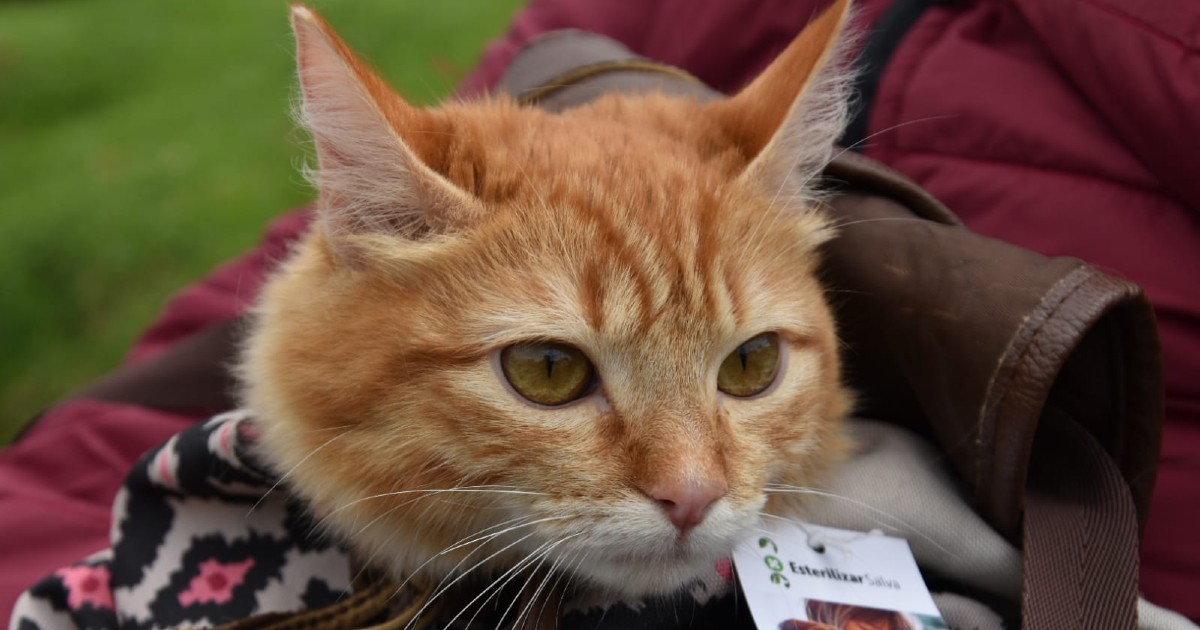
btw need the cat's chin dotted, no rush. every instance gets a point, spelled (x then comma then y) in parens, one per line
(633, 574)
(638, 578)
(642, 555)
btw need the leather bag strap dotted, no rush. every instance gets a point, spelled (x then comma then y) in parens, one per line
(1080, 563)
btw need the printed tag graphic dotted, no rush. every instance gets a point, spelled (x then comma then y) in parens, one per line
(801, 577)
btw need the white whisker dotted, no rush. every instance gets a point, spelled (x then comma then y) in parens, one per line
(541, 560)
(498, 585)
(482, 537)
(894, 127)
(881, 220)
(570, 573)
(443, 587)
(292, 470)
(505, 531)
(426, 492)
(537, 593)
(541, 557)
(894, 519)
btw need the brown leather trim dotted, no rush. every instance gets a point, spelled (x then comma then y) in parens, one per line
(566, 68)
(1016, 393)
(864, 174)
(1035, 373)
(577, 76)
(968, 339)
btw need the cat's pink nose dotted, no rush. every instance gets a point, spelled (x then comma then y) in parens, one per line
(686, 504)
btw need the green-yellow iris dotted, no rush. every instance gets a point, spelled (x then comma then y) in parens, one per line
(547, 373)
(751, 368)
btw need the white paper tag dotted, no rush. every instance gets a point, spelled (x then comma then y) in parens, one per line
(834, 577)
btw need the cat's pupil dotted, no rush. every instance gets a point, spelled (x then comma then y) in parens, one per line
(751, 368)
(547, 373)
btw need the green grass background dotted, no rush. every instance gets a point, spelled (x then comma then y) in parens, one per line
(142, 142)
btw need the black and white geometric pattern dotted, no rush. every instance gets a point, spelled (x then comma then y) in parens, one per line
(199, 538)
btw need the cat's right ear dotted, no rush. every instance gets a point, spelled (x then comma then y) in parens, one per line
(370, 181)
(788, 118)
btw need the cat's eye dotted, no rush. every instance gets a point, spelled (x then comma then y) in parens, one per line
(547, 373)
(751, 368)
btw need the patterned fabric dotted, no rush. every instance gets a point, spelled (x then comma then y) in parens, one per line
(203, 535)
(200, 537)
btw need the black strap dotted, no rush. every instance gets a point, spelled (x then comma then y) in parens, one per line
(193, 375)
(881, 44)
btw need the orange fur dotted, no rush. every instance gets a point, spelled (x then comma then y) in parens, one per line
(647, 231)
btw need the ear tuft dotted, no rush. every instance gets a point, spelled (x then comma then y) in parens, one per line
(301, 12)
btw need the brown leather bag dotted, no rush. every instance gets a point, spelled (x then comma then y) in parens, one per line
(1038, 377)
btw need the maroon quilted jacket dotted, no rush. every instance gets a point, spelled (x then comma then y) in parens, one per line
(1071, 127)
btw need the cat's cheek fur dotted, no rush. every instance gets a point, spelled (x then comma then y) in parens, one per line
(804, 438)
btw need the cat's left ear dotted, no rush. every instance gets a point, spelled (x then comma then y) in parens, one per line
(788, 118)
(370, 179)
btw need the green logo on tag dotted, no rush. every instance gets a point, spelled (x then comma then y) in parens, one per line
(774, 563)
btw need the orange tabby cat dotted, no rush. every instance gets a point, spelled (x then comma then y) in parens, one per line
(591, 342)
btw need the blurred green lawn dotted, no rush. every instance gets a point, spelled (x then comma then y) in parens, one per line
(142, 142)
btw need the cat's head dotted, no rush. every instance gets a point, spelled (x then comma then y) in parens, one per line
(594, 340)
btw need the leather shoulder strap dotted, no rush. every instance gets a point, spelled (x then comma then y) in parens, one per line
(1080, 570)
